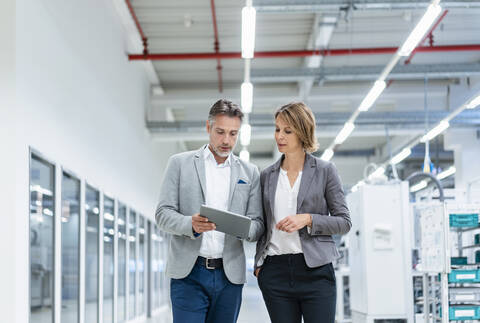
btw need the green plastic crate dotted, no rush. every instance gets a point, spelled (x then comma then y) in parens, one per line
(458, 260)
(459, 220)
(464, 276)
(460, 313)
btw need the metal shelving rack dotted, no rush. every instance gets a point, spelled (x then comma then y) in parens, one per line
(451, 281)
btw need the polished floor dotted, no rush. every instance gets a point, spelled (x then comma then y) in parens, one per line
(252, 310)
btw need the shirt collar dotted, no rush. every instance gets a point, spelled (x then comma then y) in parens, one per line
(208, 155)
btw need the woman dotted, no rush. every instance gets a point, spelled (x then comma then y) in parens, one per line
(294, 257)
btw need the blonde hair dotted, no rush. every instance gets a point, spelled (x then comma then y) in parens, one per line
(302, 121)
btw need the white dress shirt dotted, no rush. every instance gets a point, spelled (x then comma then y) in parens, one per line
(217, 192)
(285, 204)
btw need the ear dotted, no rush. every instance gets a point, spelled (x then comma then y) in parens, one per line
(208, 126)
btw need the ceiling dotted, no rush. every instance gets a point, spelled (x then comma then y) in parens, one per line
(187, 88)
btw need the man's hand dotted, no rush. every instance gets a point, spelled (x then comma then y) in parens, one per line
(257, 271)
(200, 224)
(295, 222)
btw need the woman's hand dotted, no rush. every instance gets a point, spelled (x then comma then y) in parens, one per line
(295, 222)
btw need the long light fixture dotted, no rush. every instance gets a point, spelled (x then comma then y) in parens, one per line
(378, 172)
(441, 127)
(372, 96)
(248, 31)
(244, 155)
(420, 29)
(401, 156)
(246, 97)
(411, 42)
(448, 172)
(344, 133)
(419, 186)
(245, 134)
(474, 103)
(327, 154)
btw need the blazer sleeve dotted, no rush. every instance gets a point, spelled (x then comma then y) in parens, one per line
(167, 214)
(339, 220)
(254, 209)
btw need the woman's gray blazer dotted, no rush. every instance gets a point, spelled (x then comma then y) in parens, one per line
(322, 196)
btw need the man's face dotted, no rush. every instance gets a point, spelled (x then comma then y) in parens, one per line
(223, 134)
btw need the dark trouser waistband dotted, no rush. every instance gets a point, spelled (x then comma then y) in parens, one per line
(210, 263)
(296, 258)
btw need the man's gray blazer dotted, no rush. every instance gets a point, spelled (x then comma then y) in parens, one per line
(322, 196)
(182, 194)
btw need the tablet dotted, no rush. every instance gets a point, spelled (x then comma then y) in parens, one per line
(227, 222)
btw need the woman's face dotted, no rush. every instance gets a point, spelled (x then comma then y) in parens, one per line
(287, 140)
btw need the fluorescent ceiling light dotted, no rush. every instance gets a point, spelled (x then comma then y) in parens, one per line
(419, 186)
(246, 97)
(474, 103)
(448, 172)
(420, 29)
(344, 133)
(372, 96)
(248, 31)
(245, 134)
(436, 131)
(378, 172)
(327, 154)
(245, 155)
(401, 156)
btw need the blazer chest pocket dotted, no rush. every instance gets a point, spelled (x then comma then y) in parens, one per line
(242, 187)
(324, 238)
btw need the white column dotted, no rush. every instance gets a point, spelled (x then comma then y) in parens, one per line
(466, 146)
(11, 299)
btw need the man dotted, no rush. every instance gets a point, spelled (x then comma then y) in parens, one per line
(207, 267)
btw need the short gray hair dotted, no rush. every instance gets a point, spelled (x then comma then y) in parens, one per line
(224, 107)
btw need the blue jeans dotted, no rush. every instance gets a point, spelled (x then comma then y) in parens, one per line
(205, 296)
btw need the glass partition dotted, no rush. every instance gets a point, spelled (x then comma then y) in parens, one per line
(70, 248)
(42, 211)
(92, 222)
(122, 262)
(108, 258)
(132, 263)
(141, 265)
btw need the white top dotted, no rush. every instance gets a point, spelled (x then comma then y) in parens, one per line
(217, 192)
(285, 204)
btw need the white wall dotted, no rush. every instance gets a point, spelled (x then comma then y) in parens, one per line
(7, 163)
(80, 103)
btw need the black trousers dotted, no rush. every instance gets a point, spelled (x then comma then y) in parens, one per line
(291, 290)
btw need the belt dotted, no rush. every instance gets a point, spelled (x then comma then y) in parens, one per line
(210, 263)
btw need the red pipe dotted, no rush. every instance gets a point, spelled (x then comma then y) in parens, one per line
(430, 34)
(302, 53)
(139, 28)
(217, 46)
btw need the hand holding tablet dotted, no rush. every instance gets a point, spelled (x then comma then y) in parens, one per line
(227, 222)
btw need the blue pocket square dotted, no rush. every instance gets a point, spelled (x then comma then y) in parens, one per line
(241, 181)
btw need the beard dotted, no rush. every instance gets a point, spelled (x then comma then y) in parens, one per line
(221, 153)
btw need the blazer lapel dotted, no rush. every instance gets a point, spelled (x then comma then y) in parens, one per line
(234, 173)
(200, 168)
(309, 168)
(272, 186)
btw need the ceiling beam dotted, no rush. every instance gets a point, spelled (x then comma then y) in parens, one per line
(276, 6)
(328, 124)
(365, 73)
(320, 36)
